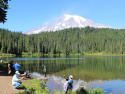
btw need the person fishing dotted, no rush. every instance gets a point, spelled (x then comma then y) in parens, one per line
(16, 81)
(26, 74)
(70, 80)
(44, 70)
(66, 85)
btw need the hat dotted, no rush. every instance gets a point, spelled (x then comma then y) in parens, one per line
(71, 76)
(17, 72)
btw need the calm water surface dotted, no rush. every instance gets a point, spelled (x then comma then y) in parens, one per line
(107, 72)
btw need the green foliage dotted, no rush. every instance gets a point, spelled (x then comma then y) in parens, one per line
(34, 87)
(3, 8)
(90, 91)
(81, 91)
(68, 41)
(3, 66)
(96, 91)
(7, 55)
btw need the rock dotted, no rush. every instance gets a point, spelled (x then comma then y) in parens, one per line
(45, 79)
(39, 79)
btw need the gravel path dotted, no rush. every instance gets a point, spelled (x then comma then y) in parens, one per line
(5, 84)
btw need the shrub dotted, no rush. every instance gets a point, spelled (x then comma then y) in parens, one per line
(96, 91)
(82, 91)
(36, 87)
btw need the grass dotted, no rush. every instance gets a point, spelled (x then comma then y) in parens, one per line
(105, 54)
(51, 55)
(34, 87)
(7, 55)
(38, 54)
(26, 54)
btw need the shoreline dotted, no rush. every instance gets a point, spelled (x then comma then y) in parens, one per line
(61, 55)
(32, 85)
(38, 82)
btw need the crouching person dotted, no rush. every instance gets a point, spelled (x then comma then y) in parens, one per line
(15, 80)
(26, 74)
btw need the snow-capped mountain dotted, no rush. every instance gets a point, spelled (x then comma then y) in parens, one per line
(66, 21)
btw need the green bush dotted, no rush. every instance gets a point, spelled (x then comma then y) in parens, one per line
(36, 87)
(82, 91)
(96, 91)
(3, 66)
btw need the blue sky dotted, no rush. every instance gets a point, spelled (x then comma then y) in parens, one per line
(25, 15)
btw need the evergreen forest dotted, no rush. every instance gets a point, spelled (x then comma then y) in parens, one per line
(67, 41)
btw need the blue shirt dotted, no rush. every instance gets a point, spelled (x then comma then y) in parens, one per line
(16, 66)
(70, 83)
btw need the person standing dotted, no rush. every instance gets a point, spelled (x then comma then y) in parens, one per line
(9, 67)
(44, 70)
(1, 60)
(16, 82)
(12, 68)
(16, 66)
(70, 81)
(66, 85)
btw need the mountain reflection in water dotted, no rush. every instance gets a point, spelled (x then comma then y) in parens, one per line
(57, 82)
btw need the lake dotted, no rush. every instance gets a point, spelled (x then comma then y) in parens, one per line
(107, 72)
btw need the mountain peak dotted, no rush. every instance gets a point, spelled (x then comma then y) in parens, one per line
(67, 21)
(75, 17)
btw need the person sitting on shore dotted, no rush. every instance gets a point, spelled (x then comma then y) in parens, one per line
(16, 82)
(66, 85)
(70, 80)
(26, 74)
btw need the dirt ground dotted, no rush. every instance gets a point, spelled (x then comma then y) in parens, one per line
(5, 84)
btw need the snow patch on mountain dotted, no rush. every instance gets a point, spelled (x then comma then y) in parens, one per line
(76, 18)
(63, 24)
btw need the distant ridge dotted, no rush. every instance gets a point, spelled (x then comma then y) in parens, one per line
(66, 21)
